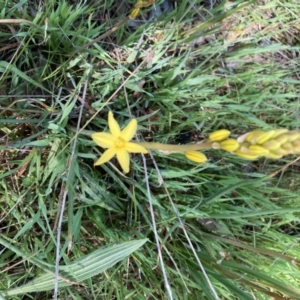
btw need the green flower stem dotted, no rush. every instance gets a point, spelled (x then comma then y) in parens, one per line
(176, 148)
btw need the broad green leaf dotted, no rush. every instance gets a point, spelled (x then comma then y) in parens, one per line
(81, 269)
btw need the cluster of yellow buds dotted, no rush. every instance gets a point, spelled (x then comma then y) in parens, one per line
(270, 144)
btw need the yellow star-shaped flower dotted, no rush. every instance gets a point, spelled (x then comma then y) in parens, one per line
(118, 143)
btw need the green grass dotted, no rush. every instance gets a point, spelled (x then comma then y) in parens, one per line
(228, 229)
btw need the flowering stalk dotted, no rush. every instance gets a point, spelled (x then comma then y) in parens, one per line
(210, 143)
(170, 148)
(252, 145)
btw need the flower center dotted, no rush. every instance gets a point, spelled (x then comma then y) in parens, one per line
(120, 142)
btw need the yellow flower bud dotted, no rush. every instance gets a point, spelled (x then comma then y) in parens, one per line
(296, 150)
(273, 155)
(296, 147)
(281, 139)
(293, 136)
(246, 155)
(219, 135)
(251, 135)
(280, 151)
(230, 145)
(296, 144)
(258, 150)
(271, 145)
(279, 132)
(288, 147)
(261, 137)
(196, 156)
(134, 13)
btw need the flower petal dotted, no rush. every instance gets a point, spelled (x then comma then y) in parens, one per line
(113, 125)
(106, 156)
(103, 139)
(129, 131)
(135, 148)
(123, 159)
